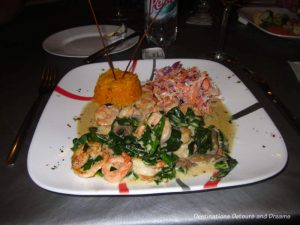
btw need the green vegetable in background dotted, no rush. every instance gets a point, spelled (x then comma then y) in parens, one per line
(269, 18)
(280, 19)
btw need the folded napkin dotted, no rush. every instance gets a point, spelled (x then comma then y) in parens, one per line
(296, 68)
(203, 19)
(153, 53)
(243, 20)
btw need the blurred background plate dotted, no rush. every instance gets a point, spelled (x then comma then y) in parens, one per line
(246, 16)
(81, 42)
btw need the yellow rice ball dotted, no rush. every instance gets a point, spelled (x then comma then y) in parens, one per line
(119, 91)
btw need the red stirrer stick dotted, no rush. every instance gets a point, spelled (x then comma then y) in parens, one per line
(102, 39)
(142, 38)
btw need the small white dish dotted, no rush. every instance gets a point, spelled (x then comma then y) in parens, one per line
(258, 146)
(81, 42)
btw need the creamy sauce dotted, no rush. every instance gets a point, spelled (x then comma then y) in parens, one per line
(87, 118)
(131, 180)
(220, 117)
(198, 170)
(201, 168)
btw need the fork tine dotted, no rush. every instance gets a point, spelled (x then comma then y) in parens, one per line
(48, 78)
(54, 76)
(45, 76)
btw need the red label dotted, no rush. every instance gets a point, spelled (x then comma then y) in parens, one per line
(155, 5)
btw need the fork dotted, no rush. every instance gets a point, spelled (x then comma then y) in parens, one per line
(47, 85)
(153, 53)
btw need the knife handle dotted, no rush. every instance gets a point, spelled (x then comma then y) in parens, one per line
(109, 48)
(97, 54)
(294, 120)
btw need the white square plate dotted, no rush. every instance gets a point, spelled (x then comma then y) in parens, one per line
(258, 146)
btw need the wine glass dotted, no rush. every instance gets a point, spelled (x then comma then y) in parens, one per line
(118, 15)
(220, 54)
(201, 15)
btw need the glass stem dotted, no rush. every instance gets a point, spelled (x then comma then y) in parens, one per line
(223, 28)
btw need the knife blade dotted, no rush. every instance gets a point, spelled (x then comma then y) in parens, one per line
(294, 120)
(109, 48)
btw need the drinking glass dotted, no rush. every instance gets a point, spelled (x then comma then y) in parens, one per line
(220, 54)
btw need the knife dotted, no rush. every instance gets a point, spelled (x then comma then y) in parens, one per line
(109, 48)
(294, 120)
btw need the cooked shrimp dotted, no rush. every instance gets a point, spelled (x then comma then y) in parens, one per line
(154, 119)
(160, 164)
(146, 172)
(186, 134)
(166, 131)
(169, 102)
(130, 111)
(117, 167)
(140, 131)
(104, 129)
(105, 115)
(81, 157)
(183, 151)
(147, 103)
